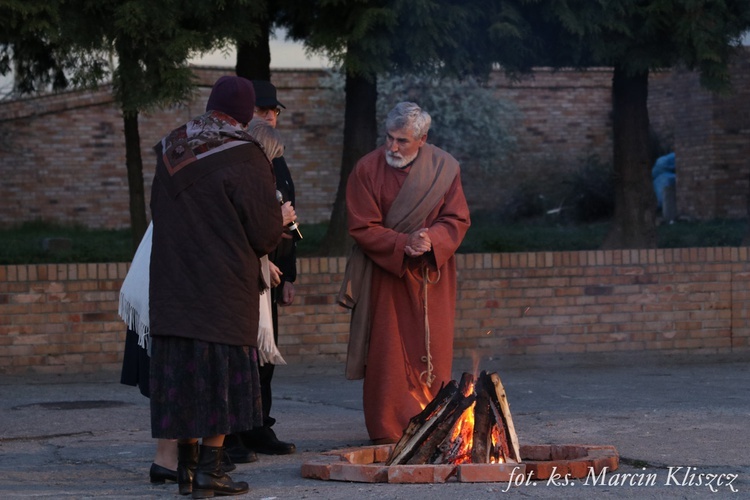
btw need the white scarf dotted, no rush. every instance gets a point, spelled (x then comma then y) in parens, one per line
(134, 292)
(133, 307)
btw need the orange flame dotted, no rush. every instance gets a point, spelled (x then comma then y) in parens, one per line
(496, 455)
(423, 397)
(459, 445)
(463, 435)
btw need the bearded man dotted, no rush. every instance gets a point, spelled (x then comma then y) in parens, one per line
(408, 215)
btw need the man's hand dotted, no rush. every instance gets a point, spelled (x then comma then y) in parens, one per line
(287, 294)
(275, 274)
(418, 243)
(288, 214)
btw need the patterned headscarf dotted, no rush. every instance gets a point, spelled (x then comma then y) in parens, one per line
(206, 134)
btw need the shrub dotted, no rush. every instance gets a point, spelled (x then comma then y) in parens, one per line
(591, 192)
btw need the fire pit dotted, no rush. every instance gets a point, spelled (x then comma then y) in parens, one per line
(539, 462)
(466, 434)
(367, 465)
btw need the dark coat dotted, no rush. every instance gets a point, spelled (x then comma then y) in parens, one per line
(285, 255)
(212, 221)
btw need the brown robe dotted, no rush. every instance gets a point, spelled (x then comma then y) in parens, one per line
(395, 374)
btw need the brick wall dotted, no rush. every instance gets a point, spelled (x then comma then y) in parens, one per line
(712, 133)
(62, 318)
(63, 156)
(564, 119)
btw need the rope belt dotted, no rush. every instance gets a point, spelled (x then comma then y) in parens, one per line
(427, 376)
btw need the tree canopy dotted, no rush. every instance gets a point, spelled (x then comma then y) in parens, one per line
(635, 37)
(142, 46)
(371, 38)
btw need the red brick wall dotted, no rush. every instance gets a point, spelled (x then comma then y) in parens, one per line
(712, 134)
(64, 159)
(63, 156)
(62, 318)
(564, 118)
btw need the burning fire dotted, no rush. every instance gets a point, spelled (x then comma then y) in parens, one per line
(424, 397)
(495, 456)
(467, 422)
(462, 437)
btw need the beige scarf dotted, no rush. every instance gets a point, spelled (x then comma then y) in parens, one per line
(267, 350)
(430, 177)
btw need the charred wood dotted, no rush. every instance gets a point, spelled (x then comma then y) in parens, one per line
(505, 423)
(481, 448)
(421, 425)
(442, 433)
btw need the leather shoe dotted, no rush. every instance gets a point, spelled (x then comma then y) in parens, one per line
(159, 474)
(237, 453)
(264, 440)
(226, 463)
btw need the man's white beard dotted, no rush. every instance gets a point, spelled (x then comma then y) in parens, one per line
(397, 161)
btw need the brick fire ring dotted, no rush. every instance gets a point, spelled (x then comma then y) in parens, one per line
(367, 465)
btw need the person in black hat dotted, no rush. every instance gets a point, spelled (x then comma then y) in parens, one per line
(267, 106)
(263, 439)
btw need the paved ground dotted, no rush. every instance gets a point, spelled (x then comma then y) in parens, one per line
(682, 421)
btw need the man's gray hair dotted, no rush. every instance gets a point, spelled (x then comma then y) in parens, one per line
(410, 116)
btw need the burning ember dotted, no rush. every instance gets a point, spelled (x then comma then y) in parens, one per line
(467, 422)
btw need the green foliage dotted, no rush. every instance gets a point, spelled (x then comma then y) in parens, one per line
(642, 35)
(32, 48)
(719, 233)
(374, 37)
(154, 40)
(591, 192)
(543, 235)
(40, 242)
(353, 35)
(581, 197)
(530, 236)
(313, 235)
(141, 45)
(24, 244)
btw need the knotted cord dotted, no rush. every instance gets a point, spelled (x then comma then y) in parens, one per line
(427, 376)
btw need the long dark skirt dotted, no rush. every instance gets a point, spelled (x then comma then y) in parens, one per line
(202, 389)
(135, 364)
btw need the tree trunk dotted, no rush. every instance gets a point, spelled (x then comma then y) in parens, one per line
(634, 224)
(254, 60)
(360, 133)
(134, 163)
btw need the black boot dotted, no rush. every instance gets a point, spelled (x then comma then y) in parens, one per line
(226, 463)
(236, 451)
(187, 461)
(264, 440)
(210, 479)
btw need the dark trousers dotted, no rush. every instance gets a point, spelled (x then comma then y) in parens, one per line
(266, 372)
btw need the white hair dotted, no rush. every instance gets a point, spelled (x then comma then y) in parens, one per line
(267, 136)
(408, 115)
